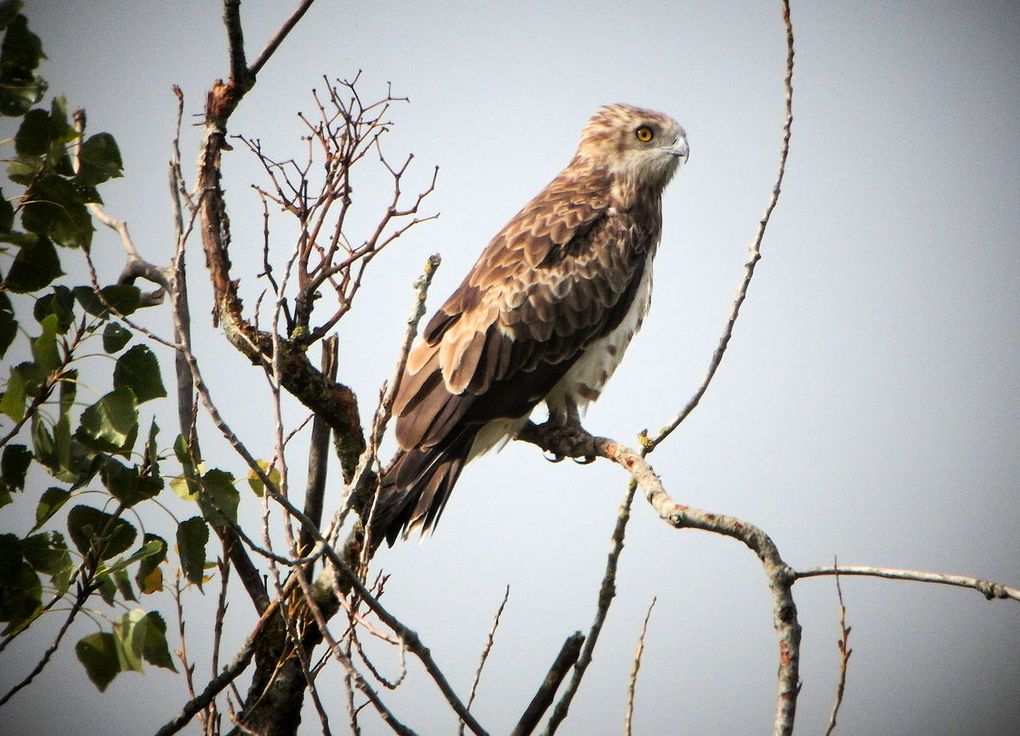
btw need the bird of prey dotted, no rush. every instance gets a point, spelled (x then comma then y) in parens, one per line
(544, 315)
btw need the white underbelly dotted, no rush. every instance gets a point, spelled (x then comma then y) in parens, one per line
(584, 382)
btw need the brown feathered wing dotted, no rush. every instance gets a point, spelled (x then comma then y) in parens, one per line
(560, 275)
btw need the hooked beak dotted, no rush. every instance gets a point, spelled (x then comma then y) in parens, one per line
(679, 148)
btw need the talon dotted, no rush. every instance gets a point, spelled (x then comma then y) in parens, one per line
(586, 460)
(553, 457)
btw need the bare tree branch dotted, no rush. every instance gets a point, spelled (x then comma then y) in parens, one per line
(485, 653)
(844, 658)
(779, 575)
(277, 39)
(754, 252)
(235, 42)
(988, 589)
(632, 684)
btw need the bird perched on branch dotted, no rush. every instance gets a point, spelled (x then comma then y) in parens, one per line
(544, 315)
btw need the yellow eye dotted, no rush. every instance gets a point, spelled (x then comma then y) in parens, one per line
(643, 134)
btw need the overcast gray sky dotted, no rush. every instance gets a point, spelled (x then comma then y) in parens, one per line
(867, 408)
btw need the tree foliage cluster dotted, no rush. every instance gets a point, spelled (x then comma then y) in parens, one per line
(87, 441)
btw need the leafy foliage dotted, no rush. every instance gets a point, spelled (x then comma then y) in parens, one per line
(74, 453)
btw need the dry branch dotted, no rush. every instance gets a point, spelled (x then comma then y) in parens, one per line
(844, 659)
(635, 667)
(988, 589)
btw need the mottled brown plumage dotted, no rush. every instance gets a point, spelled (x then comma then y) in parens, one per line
(545, 314)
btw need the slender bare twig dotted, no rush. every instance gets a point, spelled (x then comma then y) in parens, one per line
(988, 589)
(277, 39)
(844, 657)
(754, 251)
(485, 654)
(607, 591)
(182, 650)
(632, 684)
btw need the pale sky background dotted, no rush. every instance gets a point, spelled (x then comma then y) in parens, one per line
(867, 408)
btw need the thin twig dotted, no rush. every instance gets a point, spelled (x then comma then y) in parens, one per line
(844, 657)
(485, 654)
(607, 591)
(277, 39)
(632, 684)
(988, 589)
(754, 251)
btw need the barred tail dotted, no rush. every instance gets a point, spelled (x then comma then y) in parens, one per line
(416, 487)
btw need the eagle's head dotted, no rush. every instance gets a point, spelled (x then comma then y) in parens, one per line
(642, 146)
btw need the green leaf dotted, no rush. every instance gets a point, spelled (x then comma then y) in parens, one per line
(47, 553)
(127, 485)
(149, 577)
(42, 440)
(8, 323)
(182, 452)
(155, 649)
(111, 423)
(98, 653)
(192, 536)
(181, 485)
(61, 131)
(10, 560)
(44, 347)
(59, 303)
(128, 648)
(26, 380)
(33, 137)
(107, 589)
(20, 590)
(21, 47)
(35, 266)
(13, 402)
(256, 482)
(115, 337)
(20, 53)
(142, 635)
(105, 534)
(123, 583)
(218, 496)
(9, 10)
(138, 370)
(122, 297)
(20, 603)
(149, 548)
(99, 160)
(52, 500)
(24, 170)
(14, 465)
(6, 214)
(53, 207)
